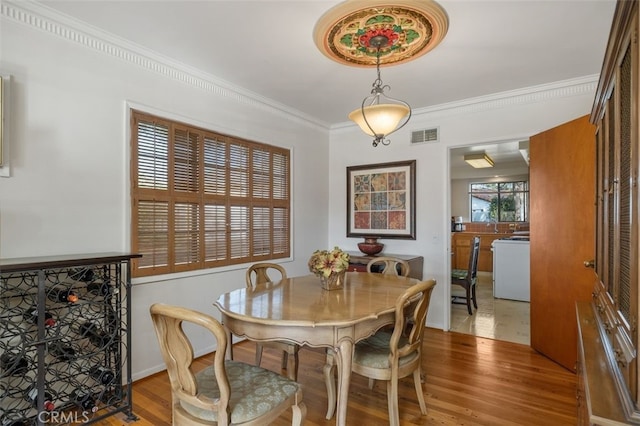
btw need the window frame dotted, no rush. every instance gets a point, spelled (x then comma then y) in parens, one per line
(500, 192)
(197, 161)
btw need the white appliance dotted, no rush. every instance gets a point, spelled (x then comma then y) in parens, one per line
(511, 269)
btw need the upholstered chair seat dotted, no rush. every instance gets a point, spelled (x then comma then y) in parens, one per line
(254, 392)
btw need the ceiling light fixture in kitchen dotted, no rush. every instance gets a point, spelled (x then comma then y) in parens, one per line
(478, 161)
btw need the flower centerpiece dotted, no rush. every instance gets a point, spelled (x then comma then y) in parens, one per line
(330, 266)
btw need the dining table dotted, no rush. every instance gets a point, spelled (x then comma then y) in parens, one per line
(298, 310)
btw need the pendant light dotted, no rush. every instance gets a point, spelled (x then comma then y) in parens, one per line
(380, 115)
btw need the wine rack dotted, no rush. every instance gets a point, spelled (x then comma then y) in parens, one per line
(65, 345)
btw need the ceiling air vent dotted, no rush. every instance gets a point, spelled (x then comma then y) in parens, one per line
(426, 135)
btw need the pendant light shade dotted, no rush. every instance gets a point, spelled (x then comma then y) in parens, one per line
(382, 119)
(380, 115)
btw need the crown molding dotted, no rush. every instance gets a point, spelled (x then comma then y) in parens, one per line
(528, 95)
(46, 19)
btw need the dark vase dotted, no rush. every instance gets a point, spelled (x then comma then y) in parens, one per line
(370, 246)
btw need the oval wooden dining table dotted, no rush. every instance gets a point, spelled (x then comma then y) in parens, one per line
(298, 310)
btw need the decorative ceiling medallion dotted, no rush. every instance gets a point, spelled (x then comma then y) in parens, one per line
(413, 28)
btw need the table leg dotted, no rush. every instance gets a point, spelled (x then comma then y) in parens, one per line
(292, 363)
(330, 381)
(229, 353)
(343, 357)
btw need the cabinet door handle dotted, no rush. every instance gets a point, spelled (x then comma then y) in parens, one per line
(590, 263)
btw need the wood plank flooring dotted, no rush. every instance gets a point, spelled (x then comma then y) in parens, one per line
(469, 381)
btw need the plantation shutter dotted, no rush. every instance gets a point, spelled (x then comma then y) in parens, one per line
(151, 207)
(201, 199)
(280, 207)
(215, 210)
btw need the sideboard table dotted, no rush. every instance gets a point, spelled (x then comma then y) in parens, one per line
(358, 262)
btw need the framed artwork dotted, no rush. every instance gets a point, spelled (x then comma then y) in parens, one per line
(381, 200)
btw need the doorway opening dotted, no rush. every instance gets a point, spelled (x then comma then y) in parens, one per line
(496, 317)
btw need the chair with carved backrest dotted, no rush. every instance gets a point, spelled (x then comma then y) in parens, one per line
(393, 354)
(226, 392)
(390, 265)
(258, 274)
(466, 278)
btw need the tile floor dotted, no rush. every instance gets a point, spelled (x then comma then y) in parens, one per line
(495, 318)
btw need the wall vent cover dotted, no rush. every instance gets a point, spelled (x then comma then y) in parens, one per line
(426, 135)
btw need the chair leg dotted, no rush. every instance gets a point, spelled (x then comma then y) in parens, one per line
(299, 414)
(392, 402)
(473, 296)
(417, 380)
(469, 301)
(258, 354)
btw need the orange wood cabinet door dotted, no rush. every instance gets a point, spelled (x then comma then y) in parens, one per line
(562, 194)
(461, 250)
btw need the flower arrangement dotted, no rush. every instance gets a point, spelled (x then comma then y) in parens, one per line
(324, 262)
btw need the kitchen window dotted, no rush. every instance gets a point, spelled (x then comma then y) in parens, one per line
(499, 201)
(202, 199)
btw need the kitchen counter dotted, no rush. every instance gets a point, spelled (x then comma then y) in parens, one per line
(461, 246)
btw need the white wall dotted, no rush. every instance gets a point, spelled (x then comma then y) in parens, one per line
(508, 116)
(69, 186)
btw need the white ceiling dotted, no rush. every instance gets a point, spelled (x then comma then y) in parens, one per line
(266, 47)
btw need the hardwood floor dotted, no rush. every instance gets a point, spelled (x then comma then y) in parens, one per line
(469, 381)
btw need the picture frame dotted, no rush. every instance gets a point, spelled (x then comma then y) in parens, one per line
(381, 200)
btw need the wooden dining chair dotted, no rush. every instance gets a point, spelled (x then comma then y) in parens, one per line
(258, 274)
(466, 278)
(227, 392)
(393, 354)
(390, 265)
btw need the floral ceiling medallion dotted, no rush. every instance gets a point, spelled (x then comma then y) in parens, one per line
(412, 27)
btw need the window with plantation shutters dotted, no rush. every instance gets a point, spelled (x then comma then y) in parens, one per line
(203, 200)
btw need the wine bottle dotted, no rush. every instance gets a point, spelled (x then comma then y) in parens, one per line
(84, 400)
(61, 351)
(13, 364)
(15, 422)
(82, 274)
(31, 315)
(95, 334)
(99, 288)
(102, 375)
(62, 294)
(31, 395)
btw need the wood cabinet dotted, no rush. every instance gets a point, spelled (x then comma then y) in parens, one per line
(608, 325)
(461, 247)
(65, 345)
(598, 402)
(358, 262)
